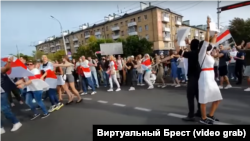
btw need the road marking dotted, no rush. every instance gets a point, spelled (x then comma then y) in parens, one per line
(87, 98)
(169, 84)
(143, 109)
(118, 104)
(183, 116)
(101, 101)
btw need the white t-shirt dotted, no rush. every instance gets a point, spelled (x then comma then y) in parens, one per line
(111, 65)
(92, 68)
(233, 54)
(181, 63)
(119, 62)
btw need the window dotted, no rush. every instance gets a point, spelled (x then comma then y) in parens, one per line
(145, 17)
(165, 44)
(116, 24)
(126, 22)
(102, 29)
(139, 19)
(132, 20)
(121, 23)
(147, 37)
(82, 42)
(139, 29)
(170, 45)
(81, 35)
(146, 27)
(107, 28)
(122, 33)
(107, 35)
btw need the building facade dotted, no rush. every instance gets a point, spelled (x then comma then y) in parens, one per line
(153, 23)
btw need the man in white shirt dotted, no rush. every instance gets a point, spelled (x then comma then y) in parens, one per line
(93, 64)
(231, 65)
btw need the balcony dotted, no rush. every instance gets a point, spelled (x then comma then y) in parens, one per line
(132, 24)
(40, 49)
(98, 33)
(178, 22)
(76, 45)
(166, 29)
(66, 41)
(75, 39)
(132, 33)
(116, 36)
(53, 50)
(115, 28)
(57, 44)
(166, 38)
(165, 18)
(68, 47)
(87, 36)
(52, 45)
(58, 49)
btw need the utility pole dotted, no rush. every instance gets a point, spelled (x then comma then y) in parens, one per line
(218, 13)
(18, 54)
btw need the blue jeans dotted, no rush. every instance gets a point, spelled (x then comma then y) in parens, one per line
(87, 82)
(105, 78)
(5, 109)
(38, 97)
(94, 78)
(180, 74)
(140, 79)
(52, 96)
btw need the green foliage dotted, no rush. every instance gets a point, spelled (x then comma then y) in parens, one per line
(240, 29)
(37, 54)
(134, 46)
(57, 55)
(26, 57)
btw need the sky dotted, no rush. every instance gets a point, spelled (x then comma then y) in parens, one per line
(23, 24)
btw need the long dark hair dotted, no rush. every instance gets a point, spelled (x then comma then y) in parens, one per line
(171, 52)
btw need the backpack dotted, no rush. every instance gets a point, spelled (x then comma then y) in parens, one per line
(227, 56)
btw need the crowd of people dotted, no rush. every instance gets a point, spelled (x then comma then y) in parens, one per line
(200, 64)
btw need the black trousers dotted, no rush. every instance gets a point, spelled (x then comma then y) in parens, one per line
(192, 93)
(121, 76)
(17, 95)
(130, 79)
(238, 72)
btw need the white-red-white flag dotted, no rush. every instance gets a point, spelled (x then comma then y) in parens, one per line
(36, 83)
(224, 38)
(18, 69)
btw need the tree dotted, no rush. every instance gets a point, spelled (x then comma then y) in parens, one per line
(59, 55)
(134, 46)
(240, 29)
(37, 54)
(26, 57)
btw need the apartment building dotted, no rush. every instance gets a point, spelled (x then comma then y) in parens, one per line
(151, 22)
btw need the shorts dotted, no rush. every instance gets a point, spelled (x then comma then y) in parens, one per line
(223, 70)
(247, 71)
(69, 78)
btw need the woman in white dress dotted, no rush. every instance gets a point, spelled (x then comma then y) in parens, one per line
(208, 88)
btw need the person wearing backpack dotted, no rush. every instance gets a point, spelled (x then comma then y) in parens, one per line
(224, 57)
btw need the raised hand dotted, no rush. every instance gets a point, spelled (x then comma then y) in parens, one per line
(208, 20)
(10, 59)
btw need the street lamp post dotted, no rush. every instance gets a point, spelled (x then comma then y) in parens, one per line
(64, 44)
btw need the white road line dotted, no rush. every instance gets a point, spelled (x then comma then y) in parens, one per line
(87, 98)
(182, 116)
(118, 104)
(101, 101)
(143, 109)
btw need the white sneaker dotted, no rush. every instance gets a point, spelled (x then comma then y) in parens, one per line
(118, 89)
(16, 127)
(183, 81)
(173, 84)
(217, 79)
(221, 87)
(153, 82)
(12, 104)
(138, 84)
(159, 86)
(142, 84)
(94, 92)
(89, 87)
(247, 90)
(178, 85)
(228, 86)
(164, 86)
(84, 93)
(33, 101)
(110, 90)
(131, 89)
(52, 108)
(151, 87)
(2, 130)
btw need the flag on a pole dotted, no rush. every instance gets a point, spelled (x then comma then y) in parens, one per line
(224, 38)
(18, 69)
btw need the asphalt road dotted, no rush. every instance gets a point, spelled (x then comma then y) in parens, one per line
(142, 106)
